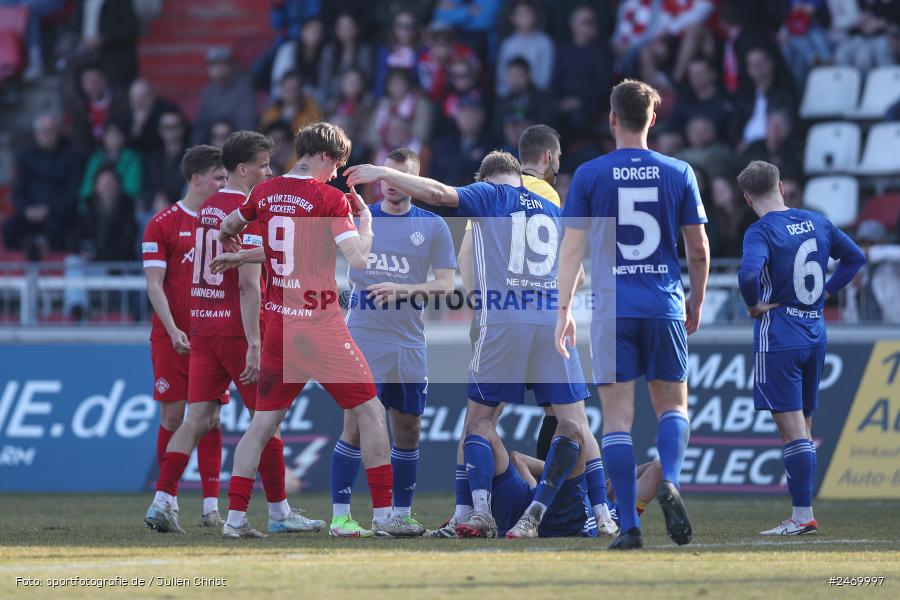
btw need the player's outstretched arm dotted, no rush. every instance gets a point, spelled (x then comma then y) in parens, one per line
(155, 278)
(571, 252)
(421, 188)
(696, 245)
(232, 260)
(230, 229)
(443, 283)
(248, 282)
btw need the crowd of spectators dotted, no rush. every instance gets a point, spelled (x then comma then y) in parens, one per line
(451, 79)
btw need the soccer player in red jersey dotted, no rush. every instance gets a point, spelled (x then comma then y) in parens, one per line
(303, 221)
(168, 252)
(225, 336)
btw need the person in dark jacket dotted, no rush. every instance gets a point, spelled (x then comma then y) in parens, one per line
(110, 32)
(107, 232)
(141, 117)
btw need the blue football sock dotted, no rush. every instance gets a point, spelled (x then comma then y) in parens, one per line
(561, 459)
(463, 494)
(479, 457)
(596, 481)
(799, 461)
(815, 460)
(405, 464)
(671, 442)
(619, 452)
(345, 461)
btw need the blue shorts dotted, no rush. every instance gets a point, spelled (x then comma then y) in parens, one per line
(788, 380)
(654, 348)
(510, 496)
(400, 374)
(510, 356)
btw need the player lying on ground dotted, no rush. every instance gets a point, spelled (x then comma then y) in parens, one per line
(304, 221)
(649, 476)
(515, 237)
(168, 252)
(647, 199)
(225, 330)
(782, 280)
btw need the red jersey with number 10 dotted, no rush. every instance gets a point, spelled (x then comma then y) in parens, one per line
(169, 244)
(215, 305)
(302, 220)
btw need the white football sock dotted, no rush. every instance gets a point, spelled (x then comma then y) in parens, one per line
(462, 513)
(403, 511)
(175, 503)
(236, 518)
(601, 512)
(482, 500)
(802, 514)
(210, 504)
(164, 500)
(537, 510)
(279, 511)
(339, 510)
(382, 514)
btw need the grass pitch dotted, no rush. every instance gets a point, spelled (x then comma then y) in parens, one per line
(101, 536)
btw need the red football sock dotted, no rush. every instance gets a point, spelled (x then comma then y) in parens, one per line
(170, 472)
(271, 470)
(239, 493)
(209, 461)
(381, 485)
(162, 442)
(640, 511)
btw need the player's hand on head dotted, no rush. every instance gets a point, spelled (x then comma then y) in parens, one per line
(361, 174)
(251, 366)
(180, 342)
(692, 323)
(565, 334)
(225, 261)
(761, 309)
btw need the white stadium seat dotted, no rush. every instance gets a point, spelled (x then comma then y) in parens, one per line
(832, 147)
(835, 197)
(882, 153)
(881, 91)
(830, 92)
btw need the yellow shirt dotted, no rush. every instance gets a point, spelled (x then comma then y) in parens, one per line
(535, 186)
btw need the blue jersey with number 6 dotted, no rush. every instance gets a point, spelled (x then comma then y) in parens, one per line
(644, 198)
(515, 235)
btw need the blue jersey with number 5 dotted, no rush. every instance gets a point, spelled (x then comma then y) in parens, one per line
(515, 239)
(645, 198)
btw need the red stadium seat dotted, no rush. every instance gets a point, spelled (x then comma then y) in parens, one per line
(14, 19)
(12, 58)
(884, 209)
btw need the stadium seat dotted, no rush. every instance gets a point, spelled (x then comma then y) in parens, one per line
(885, 209)
(832, 147)
(835, 197)
(882, 90)
(12, 58)
(882, 152)
(14, 19)
(830, 92)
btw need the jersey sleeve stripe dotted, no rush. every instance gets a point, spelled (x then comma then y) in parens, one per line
(345, 236)
(160, 264)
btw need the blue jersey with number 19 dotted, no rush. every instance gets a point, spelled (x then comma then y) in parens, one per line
(650, 196)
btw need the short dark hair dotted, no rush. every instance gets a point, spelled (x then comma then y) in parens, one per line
(403, 156)
(518, 61)
(759, 178)
(199, 160)
(536, 140)
(632, 102)
(498, 162)
(107, 167)
(323, 137)
(244, 147)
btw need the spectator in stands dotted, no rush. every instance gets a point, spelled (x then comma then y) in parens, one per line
(94, 106)
(462, 79)
(729, 218)
(45, 191)
(512, 127)
(345, 52)
(559, 18)
(779, 147)
(352, 110)
(702, 98)
(37, 10)
(397, 132)
(401, 51)
(107, 231)
(523, 98)
(141, 117)
(458, 154)
(765, 88)
(705, 151)
(385, 16)
(867, 45)
(874, 296)
(582, 76)
(163, 181)
(283, 157)
(803, 37)
(288, 16)
(526, 42)
(746, 25)
(113, 152)
(402, 99)
(474, 19)
(228, 95)
(109, 31)
(442, 48)
(303, 56)
(218, 132)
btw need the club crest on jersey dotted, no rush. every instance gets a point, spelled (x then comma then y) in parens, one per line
(417, 238)
(162, 385)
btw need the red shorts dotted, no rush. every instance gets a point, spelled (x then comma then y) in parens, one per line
(170, 372)
(327, 354)
(216, 361)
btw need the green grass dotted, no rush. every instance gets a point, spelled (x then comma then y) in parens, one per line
(58, 536)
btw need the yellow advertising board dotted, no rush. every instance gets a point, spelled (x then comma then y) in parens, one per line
(866, 462)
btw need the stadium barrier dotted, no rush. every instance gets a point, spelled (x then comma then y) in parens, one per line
(80, 418)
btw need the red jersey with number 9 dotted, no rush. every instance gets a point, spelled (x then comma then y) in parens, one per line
(215, 305)
(301, 220)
